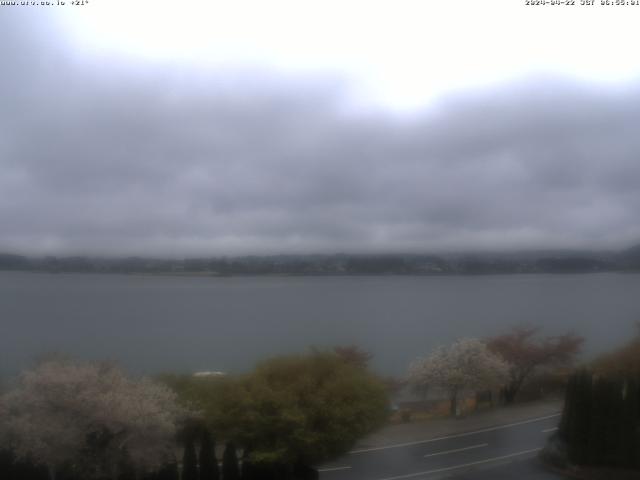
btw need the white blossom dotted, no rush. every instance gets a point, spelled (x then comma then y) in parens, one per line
(465, 365)
(59, 405)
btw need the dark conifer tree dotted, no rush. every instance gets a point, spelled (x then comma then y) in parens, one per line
(168, 471)
(208, 461)
(265, 471)
(6, 464)
(597, 424)
(574, 425)
(230, 470)
(189, 461)
(126, 469)
(302, 471)
(636, 461)
(615, 428)
(568, 412)
(24, 469)
(171, 472)
(630, 426)
(601, 434)
(249, 471)
(601, 421)
(582, 415)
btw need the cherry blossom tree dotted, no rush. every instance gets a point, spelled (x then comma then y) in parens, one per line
(525, 353)
(91, 414)
(467, 364)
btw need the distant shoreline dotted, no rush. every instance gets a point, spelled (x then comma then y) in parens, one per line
(319, 275)
(340, 264)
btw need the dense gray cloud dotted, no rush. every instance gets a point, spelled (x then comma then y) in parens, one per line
(101, 157)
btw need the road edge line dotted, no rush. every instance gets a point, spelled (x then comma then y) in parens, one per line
(462, 465)
(455, 435)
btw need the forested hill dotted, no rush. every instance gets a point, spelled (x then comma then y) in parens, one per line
(341, 264)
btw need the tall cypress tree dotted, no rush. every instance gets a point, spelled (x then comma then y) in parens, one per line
(189, 461)
(568, 411)
(171, 472)
(615, 430)
(24, 469)
(265, 471)
(576, 416)
(208, 462)
(630, 425)
(6, 462)
(230, 470)
(168, 471)
(302, 471)
(601, 420)
(604, 438)
(126, 469)
(582, 416)
(636, 454)
(598, 423)
(248, 467)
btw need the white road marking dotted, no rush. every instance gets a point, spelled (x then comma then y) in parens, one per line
(462, 465)
(333, 469)
(547, 430)
(457, 435)
(456, 450)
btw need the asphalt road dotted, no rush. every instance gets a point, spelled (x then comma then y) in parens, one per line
(496, 453)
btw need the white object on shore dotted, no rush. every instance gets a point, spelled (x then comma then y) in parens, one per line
(209, 374)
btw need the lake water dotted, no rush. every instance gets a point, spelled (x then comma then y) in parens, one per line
(151, 323)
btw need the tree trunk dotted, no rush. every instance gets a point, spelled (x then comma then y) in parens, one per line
(509, 393)
(513, 387)
(52, 472)
(115, 471)
(453, 403)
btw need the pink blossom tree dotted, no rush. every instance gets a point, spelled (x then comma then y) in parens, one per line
(526, 353)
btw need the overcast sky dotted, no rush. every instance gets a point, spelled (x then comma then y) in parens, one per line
(207, 128)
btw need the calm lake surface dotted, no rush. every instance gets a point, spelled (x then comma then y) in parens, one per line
(152, 323)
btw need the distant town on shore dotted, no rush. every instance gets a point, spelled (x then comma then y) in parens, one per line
(543, 261)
